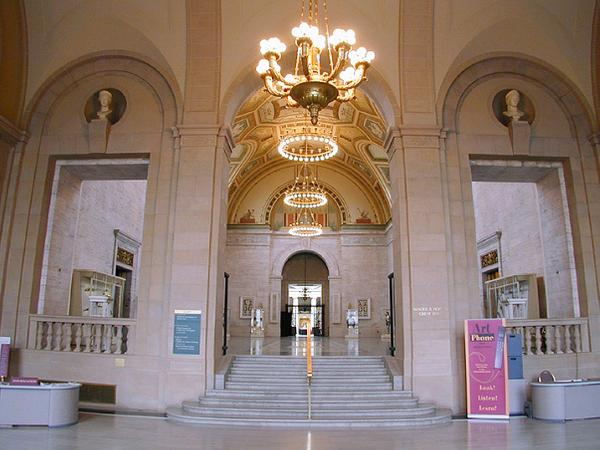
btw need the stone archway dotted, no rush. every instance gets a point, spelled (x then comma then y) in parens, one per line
(305, 268)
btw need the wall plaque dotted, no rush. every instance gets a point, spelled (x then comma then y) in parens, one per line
(124, 256)
(489, 258)
(186, 332)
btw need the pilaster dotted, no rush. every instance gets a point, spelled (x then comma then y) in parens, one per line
(422, 261)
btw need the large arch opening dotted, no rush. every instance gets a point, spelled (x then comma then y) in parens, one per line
(266, 264)
(305, 288)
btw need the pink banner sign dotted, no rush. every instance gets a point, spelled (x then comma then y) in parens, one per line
(487, 371)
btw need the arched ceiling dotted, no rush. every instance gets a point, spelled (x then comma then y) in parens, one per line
(359, 173)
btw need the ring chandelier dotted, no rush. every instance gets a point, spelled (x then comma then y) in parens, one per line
(310, 86)
(306, 191)
(307, 147)
(306, 225)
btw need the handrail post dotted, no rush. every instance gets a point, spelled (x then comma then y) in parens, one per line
(225, 308)
(392, 314)
(309, 368)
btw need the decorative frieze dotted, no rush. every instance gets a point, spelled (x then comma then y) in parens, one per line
(421, 141)
(248, 239)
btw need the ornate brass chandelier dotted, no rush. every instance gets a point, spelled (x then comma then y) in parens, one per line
(309, 85)
(306, 191)
(306, 225)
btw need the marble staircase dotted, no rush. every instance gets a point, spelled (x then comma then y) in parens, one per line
(273, 391)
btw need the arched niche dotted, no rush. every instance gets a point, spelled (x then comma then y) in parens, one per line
(568, 142)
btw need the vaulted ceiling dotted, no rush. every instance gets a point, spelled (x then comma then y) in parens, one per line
(358, 174)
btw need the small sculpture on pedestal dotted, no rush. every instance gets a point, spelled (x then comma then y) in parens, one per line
(257, 329)
(105, 99)
(352, 322)
(388, 322)
(512, 99)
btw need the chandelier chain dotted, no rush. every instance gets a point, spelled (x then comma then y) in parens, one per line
(327, 36)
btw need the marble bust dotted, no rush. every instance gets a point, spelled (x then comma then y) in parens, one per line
(105, 99)
(512, 101)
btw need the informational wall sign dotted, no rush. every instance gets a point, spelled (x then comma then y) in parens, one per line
(186, 332)
(4, 356)
(487, 373)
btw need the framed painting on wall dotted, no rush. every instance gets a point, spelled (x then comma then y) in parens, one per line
(246, 307)
(364, 308)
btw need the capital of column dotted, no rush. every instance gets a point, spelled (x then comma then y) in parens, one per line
(10, 133)
(413, 137)
(203, 136)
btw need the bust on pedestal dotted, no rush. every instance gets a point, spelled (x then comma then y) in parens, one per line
(257, 329)
(99, 128)
(519, 130)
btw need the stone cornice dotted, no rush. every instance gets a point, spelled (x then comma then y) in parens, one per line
(11, 134)
(413, 137)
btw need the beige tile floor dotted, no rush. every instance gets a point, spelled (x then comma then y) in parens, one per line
(296, 346)
(105, 432)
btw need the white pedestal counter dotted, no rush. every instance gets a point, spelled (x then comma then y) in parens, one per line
(566, 400)
(51, 404)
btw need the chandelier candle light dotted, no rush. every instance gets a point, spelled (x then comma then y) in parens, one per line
(310, 86)
(306, 191)
(306, 147)
(306, 225)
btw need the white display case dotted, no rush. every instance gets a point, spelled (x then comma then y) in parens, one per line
(96, 294)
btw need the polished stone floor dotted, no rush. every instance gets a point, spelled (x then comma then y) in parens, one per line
(126, 432)
(296, 346)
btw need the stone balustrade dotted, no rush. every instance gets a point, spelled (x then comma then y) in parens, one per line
(551, 336)
(102, 335)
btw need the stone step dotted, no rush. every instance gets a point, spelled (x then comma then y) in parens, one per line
(437, 418)
(296, 413)
(317, 379)
(234, 410)
(317, 396)
(316, 386)
(420, 410)
(302, 403)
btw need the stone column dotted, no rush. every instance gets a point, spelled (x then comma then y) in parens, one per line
(593, 307)
(12, 145)
(195, 258)
(424, 329)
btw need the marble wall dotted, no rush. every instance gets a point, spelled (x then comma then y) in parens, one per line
(358, 263)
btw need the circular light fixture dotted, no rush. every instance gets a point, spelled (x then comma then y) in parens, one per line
(306, 192)
(306, 147)
(306, 226)
(305, 199)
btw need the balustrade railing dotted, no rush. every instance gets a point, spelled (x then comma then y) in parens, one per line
(81, 334)
(551, 336)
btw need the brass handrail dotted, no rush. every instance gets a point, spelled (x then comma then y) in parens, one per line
(309, 369)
